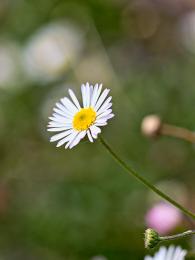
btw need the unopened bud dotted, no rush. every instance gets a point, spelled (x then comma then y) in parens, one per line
(152, 238)
(151, 125)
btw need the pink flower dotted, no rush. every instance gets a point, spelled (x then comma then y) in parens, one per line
(163, 218)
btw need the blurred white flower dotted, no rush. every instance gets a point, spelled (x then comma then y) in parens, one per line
(98, 65)
(10, 64)
(171, 253)
(75, 122)
(187, 31)
(52, 50)
(99, 257)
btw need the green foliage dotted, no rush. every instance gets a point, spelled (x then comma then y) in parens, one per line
(75, 204)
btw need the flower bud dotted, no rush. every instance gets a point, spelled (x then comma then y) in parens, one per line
(152, 238)
(151, 125)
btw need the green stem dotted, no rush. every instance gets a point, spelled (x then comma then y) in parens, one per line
(184, 234)
(144, 181)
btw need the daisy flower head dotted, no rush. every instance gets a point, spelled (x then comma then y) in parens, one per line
(74, 121)
(170, 253)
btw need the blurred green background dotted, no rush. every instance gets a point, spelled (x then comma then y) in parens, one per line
(78, 204)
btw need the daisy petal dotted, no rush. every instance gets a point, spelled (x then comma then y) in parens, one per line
(83, 91)
(101, 123)
(89, 136)
(57, 124)
(58, 129)
(61, 115)
(60, 136)
(57, 116)
(171, 253)
(178, 254)
(57, 119)
(104, 107)
(107, 112)
(96, 94)
(91, 94)
(58, 111)
(148, 258)
(74, 99)
(95, 131)
(69, 105)
(77, 139)
(65, 140)
(106, 117)
(103, 120)
(72, 137)
(62, 107)
(101, 99)
(87, 95)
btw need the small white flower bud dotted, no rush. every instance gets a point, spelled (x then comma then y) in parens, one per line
(152, 238)
(151, 125)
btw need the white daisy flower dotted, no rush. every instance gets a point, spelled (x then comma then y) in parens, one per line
(74, 121)
(171, 253)
(52, 50)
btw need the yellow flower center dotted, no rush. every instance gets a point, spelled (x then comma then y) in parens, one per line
(84, 119)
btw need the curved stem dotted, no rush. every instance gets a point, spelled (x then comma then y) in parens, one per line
(144, 181)
(184, 234)
(178, 132)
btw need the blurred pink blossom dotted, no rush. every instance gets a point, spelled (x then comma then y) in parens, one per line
(163, 218)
